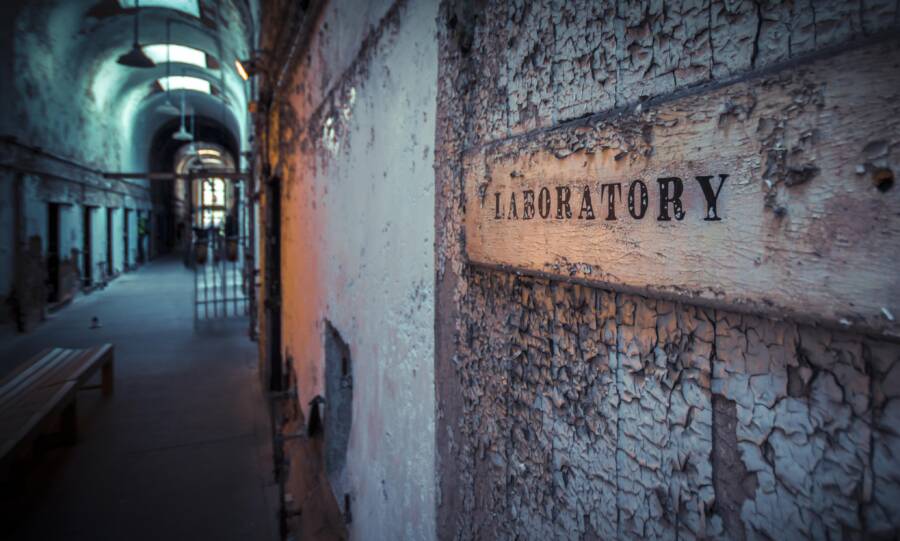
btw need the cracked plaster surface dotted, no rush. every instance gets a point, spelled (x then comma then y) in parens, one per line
(576, 412)
(546, 62)
(591, 413)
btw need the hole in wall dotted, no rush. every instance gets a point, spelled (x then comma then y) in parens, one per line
(883, 179)
(314, 426)
(338, 408)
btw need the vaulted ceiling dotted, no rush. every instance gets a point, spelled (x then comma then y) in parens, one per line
(63, 89)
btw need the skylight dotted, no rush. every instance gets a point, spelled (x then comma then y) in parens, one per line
(176, 53)
(185, 82)
(191, 7)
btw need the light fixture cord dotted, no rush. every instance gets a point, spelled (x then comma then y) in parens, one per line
(168, 46)
(137, 11)
(182, 106)
(168, 61)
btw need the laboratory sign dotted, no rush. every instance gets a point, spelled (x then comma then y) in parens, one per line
(751, 197)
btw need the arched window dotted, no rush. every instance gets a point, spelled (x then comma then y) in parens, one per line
(212, 202)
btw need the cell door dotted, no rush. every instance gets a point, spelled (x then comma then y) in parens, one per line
(109, 242)
(52, 252)
(87, 229)
(126, 260)
(143, 225)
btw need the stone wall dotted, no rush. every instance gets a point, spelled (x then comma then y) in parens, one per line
(354, 131)
(566, 411)
(70, 116)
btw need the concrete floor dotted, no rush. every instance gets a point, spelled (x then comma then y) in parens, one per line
(182, 450)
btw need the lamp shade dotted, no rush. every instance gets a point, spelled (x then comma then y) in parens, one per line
(135, 58)
(182, 135)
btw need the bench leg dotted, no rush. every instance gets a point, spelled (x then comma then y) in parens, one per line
(107, 379)
(69, 424)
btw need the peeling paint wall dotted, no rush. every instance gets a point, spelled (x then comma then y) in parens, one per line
(62, 125)
(354, 153)
(564, 59)
(117, 253)
(591, 412)
(566, 411)
(102, 251)
(56, 106)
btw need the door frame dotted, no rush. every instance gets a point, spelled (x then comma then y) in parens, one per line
(126, 260)
(273, 284)
(110, 245)
(54, 213)
(87, 244)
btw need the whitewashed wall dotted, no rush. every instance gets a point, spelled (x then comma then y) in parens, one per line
(357, 237)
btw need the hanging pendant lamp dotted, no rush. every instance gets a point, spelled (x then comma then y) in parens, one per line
(192, 147)
(136, 58)
(182, 134)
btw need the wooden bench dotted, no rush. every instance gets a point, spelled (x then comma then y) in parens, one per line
(43, 391)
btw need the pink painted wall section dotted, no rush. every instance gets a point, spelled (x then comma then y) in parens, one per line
(357, 249)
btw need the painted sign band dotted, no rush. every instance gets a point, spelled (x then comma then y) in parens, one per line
(768, 196)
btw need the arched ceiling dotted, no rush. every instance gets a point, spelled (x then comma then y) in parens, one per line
(163, 149)
(71, 94)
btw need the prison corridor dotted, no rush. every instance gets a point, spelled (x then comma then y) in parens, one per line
(181, 450)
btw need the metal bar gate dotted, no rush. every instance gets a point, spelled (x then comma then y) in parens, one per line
(221, 247)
